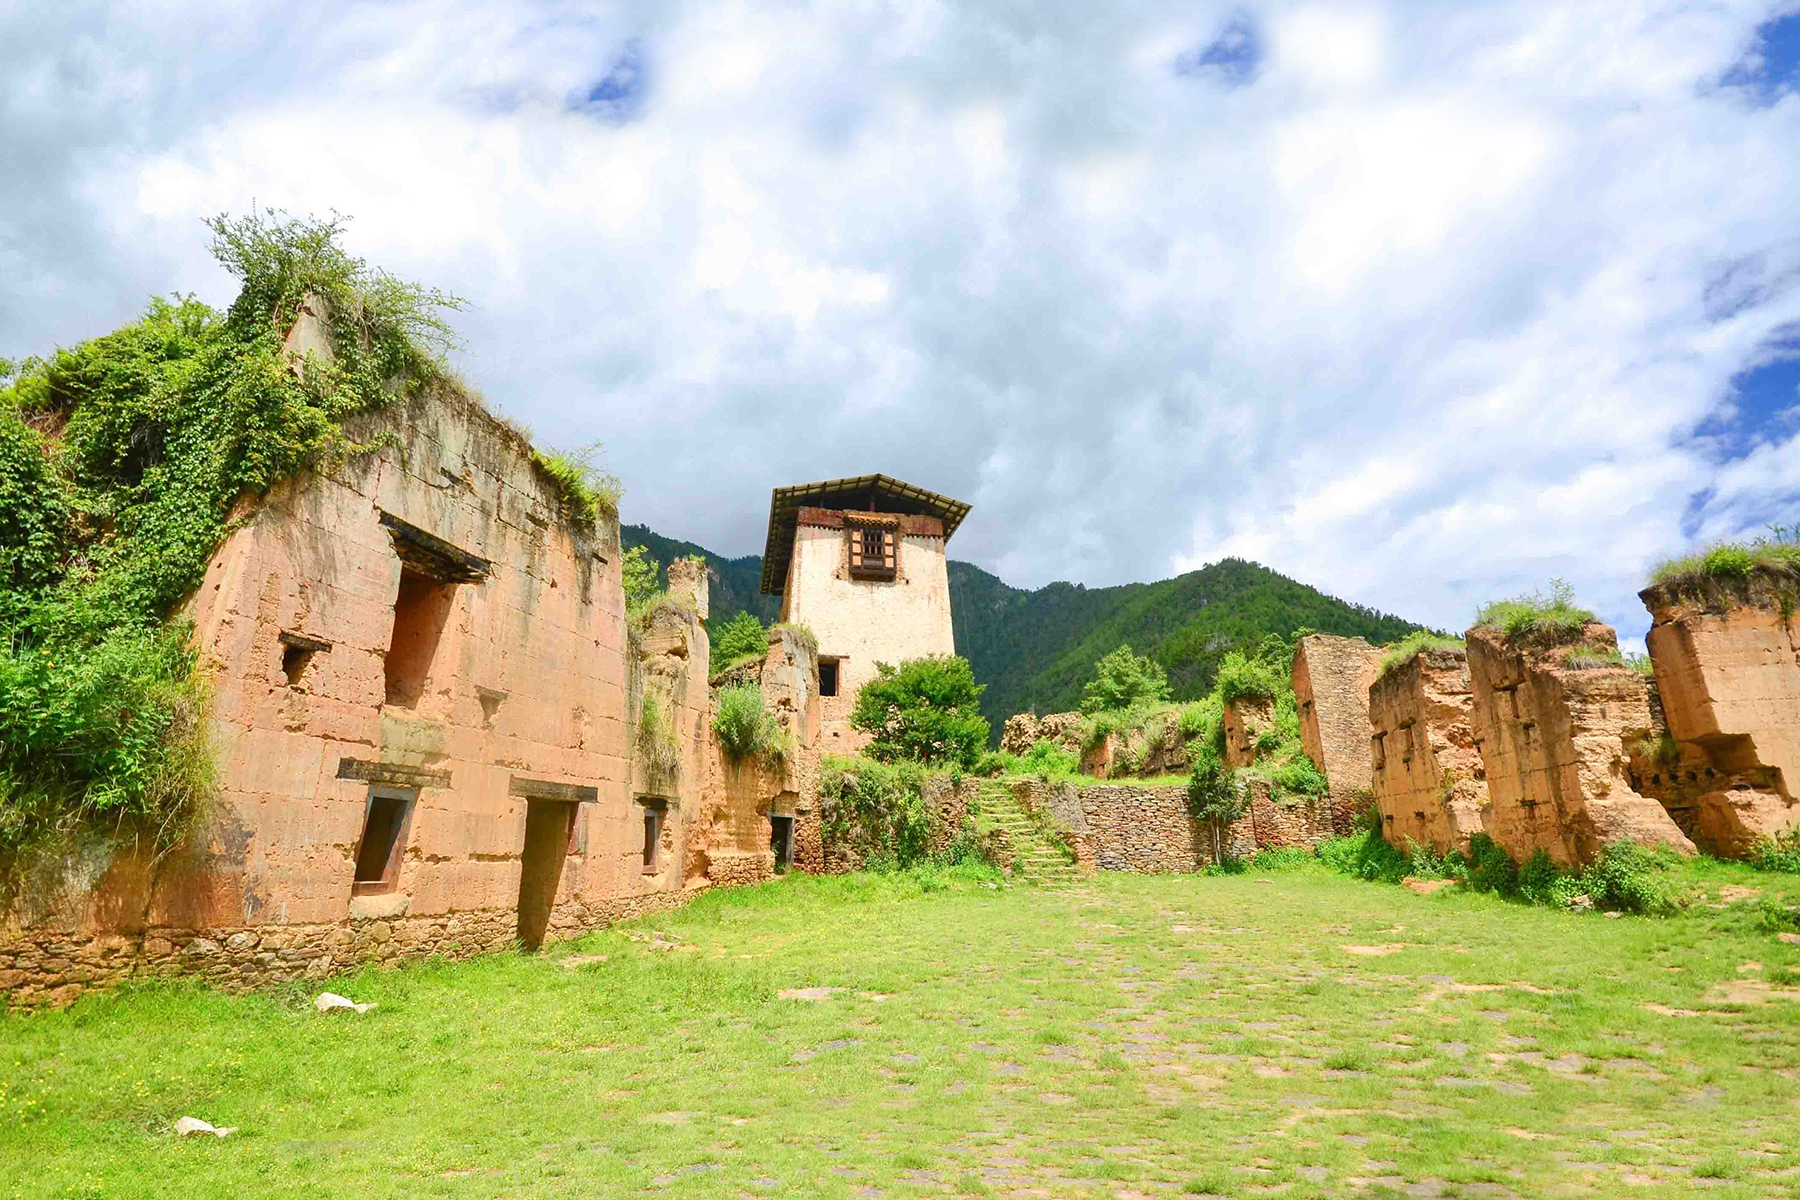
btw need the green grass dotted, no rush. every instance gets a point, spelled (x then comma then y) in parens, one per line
(1541, 616)
(1734, 560)
(1409, 647)
(1290, 1032)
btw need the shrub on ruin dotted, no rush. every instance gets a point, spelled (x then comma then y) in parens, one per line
(1548, 616)
(587, 492)
(1399, 653)
(927, 710)
(738, 641)
(160, 429)
(658, 748)
(641, 576)
(744, 725)
(878, 807)
(1777, 551)
(1123, 681)
(1590, 658)
(1300, 776)
(1201, 719)
(1243, 678)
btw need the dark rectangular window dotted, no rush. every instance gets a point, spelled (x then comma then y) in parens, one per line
(828, 677)
(421, 609)
(653, 821)
(383, 839)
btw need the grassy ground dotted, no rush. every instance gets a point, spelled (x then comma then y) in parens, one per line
(1296, 1034)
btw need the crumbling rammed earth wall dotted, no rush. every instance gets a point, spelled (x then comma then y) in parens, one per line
(422, 628)
(1428, 780)
(1332, 676)
(1727, 660)
(1553, 741)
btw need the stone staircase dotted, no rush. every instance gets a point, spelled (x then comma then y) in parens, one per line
(1035, 858)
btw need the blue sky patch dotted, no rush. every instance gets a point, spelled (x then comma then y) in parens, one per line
(1772, 65)
(618, 95)
(1233, 56)
(1763, 403)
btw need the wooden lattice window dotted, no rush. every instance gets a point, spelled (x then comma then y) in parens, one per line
(872, 552)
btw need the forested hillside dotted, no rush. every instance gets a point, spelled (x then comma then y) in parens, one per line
(1035, 649)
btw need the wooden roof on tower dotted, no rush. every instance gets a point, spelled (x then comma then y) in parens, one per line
(867, 493)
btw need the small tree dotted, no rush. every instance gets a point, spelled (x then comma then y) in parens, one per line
(926, 710)
(1214, 796)
(1125, 680)
(642, 577)
(737, 638)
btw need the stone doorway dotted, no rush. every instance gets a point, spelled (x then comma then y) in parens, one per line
(781, 842)
(549, 825)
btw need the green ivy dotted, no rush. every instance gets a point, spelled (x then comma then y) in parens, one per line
(122, 462)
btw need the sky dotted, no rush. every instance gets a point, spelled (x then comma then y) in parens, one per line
(1422, 304)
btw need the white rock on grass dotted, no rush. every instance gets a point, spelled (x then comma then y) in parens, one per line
(194, 1127)
(331, 1002)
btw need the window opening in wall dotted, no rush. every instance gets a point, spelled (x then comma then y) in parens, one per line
(872, 553)
(294, 661)
(421, 609)
(653, 824)
(781, 842)
(383, 839)
(828, 677)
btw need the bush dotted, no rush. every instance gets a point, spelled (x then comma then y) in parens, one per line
(163, 426)
(1777, 551)
(1365, 855)
(745, 727)
(878, 805)
(926, 710)
(1491, 869)
(738, 639)
(1780, 853)
(1123, 680)
(1202, 719)
(1300, 776)
(1537, 616)
(1413, 644)
(1629, 878)
(1242, 678)
(642, 578)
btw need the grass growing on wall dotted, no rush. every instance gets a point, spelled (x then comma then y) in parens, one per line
(1414, 644)
(1548, 616)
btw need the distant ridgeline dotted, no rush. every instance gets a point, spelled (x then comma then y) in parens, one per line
(1035, 649)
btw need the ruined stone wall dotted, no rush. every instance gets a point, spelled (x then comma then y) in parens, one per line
(860, 622)
(1428, 781)
(848, 843)
(1147, 830)
(1290, 822)
(1727, 661)
(423, 619)
(1553, 743)
(732, 843)
(1332, 676)
(1245, 719)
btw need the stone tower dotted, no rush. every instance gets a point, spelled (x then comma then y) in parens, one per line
(861, 562)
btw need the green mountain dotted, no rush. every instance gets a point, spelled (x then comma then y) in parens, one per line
(1036, 649)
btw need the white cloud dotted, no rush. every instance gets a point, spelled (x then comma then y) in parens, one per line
(1422, 309)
